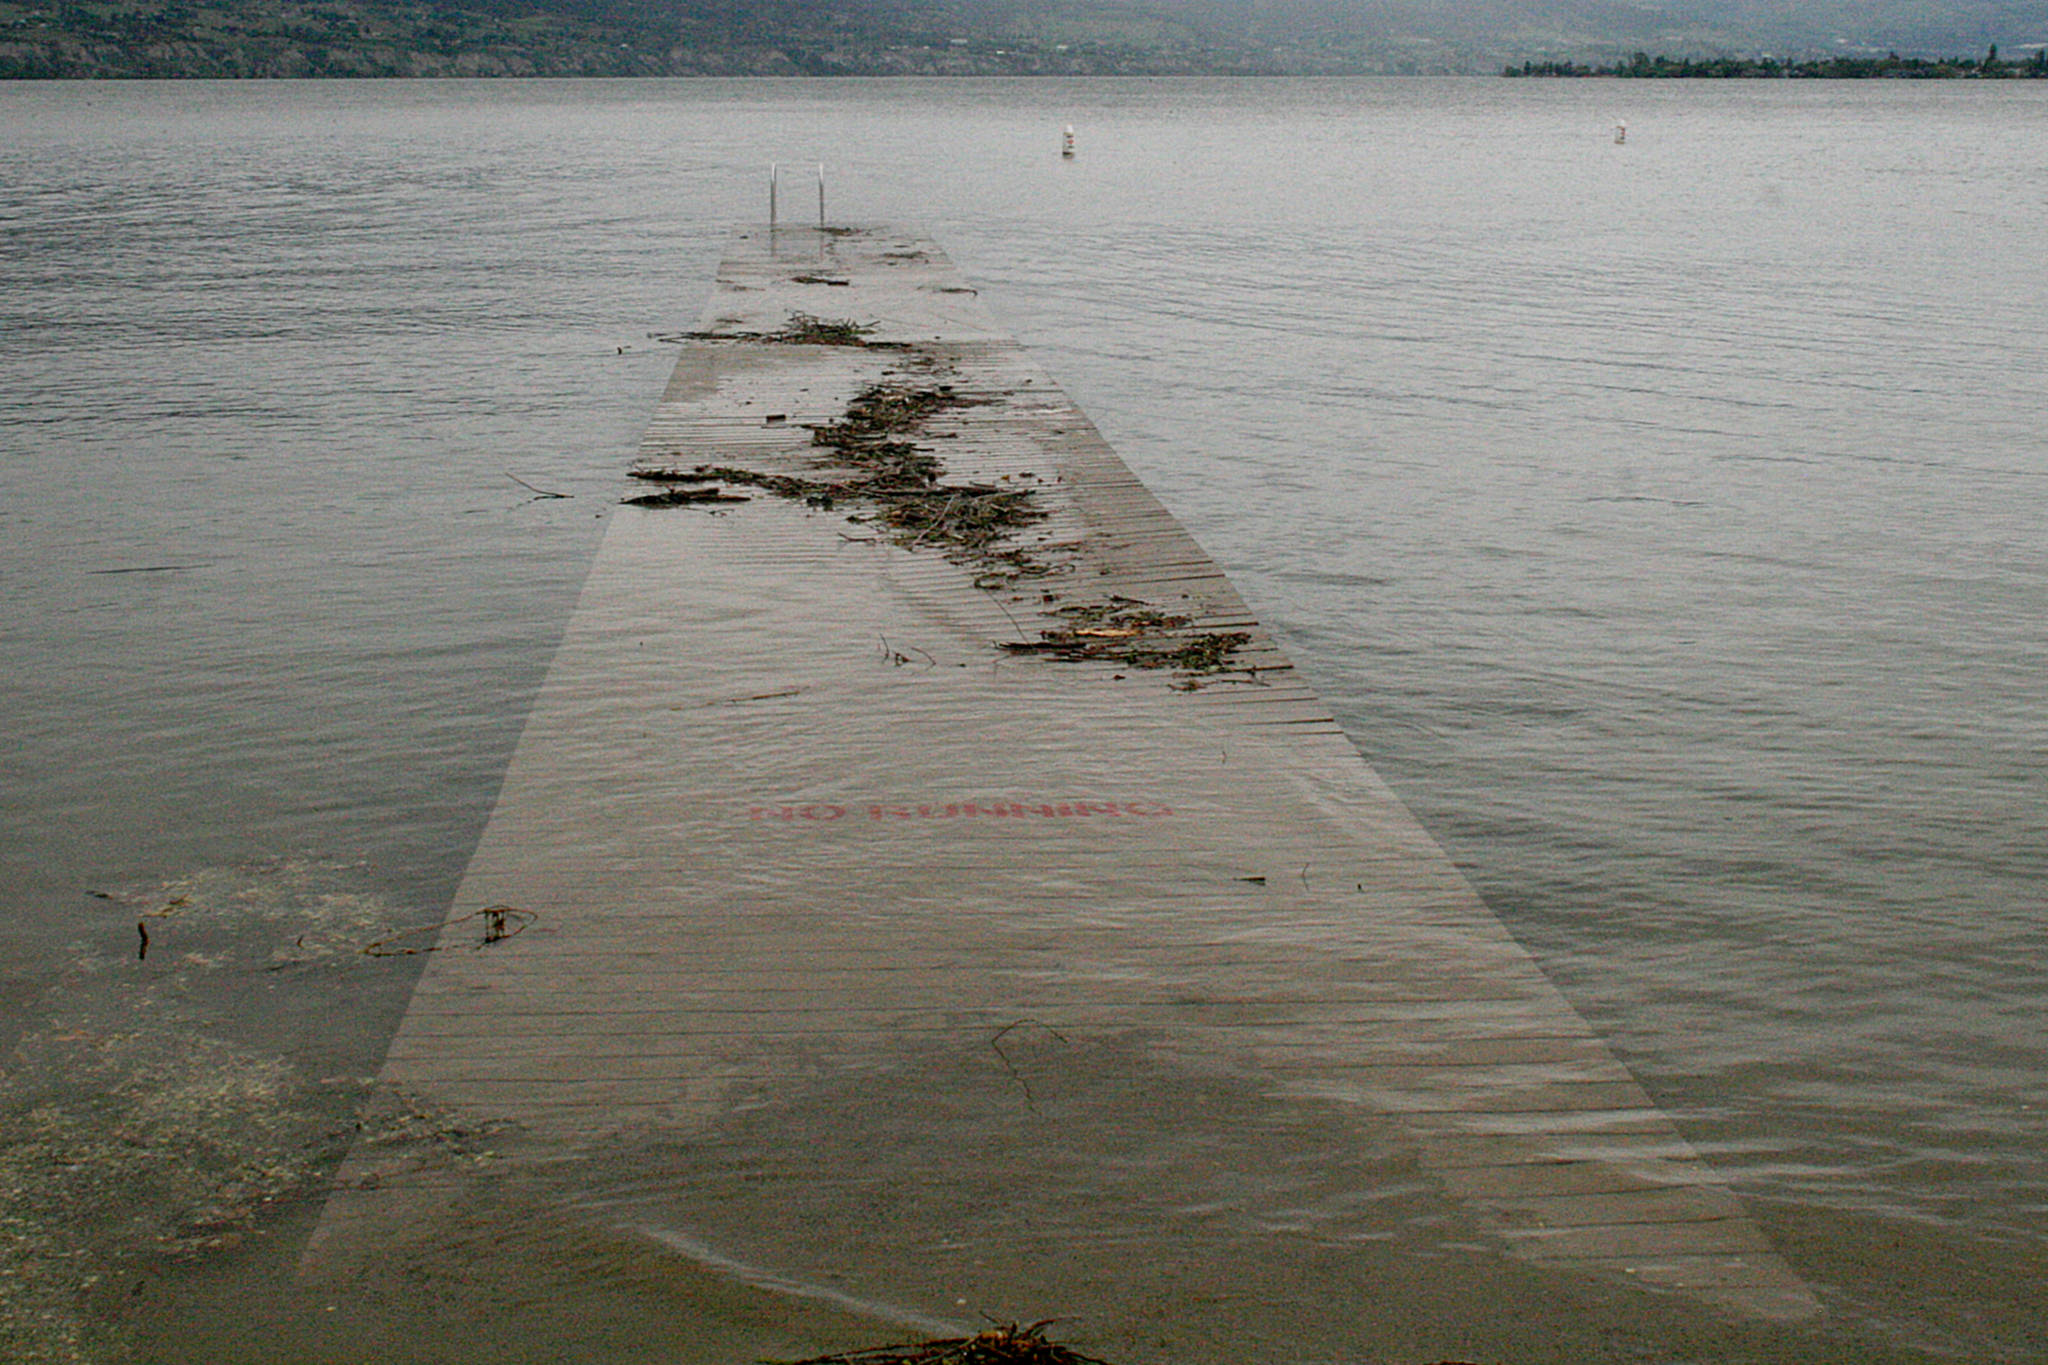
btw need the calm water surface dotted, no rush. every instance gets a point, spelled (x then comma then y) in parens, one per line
(1668, 521)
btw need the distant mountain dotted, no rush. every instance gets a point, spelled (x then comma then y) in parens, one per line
(273, 38)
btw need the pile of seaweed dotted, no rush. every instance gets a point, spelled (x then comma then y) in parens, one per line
(1011, 1345)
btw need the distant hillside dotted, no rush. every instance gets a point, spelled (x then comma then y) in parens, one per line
(283, 38)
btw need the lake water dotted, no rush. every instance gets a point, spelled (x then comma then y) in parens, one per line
(1666, 520)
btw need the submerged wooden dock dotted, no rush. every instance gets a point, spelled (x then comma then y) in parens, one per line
(925, 895)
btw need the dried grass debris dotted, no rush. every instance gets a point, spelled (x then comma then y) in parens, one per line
(1123, 630)
(881, 410)
(802, 329)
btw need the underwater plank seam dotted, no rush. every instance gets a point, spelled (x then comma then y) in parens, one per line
(832, 797)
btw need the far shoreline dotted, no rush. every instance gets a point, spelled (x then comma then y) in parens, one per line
(1891, 66)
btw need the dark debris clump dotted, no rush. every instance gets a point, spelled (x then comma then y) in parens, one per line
(682, 497)
(1011, 1345)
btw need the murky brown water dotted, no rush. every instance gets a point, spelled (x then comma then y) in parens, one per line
(1664, 520)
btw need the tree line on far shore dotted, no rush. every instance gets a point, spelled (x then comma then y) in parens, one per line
(1891, 66)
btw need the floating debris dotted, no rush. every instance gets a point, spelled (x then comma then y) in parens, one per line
(680, 497)
(891, 464)
(153, 568)
(539, 494)
(1010, 1345)
(871, 461)
(1124, 631)
(284, 912)
(500, 922)
(1118, 616)
(1002, 568)
(884, 409)
(802, 329)
(140, 1124)
(668, 475)
(971, 517)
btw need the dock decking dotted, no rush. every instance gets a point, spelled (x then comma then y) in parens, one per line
(864, 939)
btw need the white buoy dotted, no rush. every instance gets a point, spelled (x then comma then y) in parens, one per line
(1067, 143)
(1620, 133)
